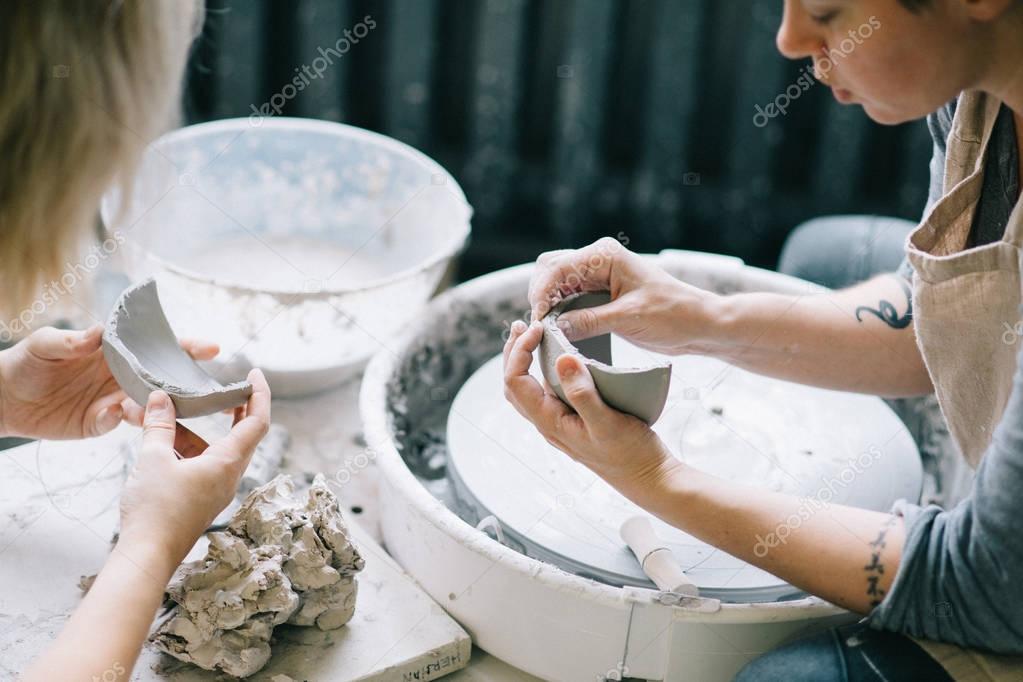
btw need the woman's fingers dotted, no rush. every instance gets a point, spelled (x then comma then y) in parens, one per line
(104, 414)
(158, 427)
(517, 327)
(199, 349)
(48, 343)
(132, 411)
(258, 404)
(581, 393)
(187, 442)
(549, 256)
(589, 322)
(561, 274)
(522, 390)
(239, 444)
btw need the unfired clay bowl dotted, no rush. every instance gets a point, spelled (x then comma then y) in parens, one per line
(640, 391)
(144, 355)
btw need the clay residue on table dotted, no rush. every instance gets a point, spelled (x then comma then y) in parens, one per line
(280, 560)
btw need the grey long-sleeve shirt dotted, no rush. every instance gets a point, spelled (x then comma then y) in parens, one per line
(961, 576)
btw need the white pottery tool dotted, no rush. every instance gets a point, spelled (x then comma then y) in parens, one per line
(655, 557)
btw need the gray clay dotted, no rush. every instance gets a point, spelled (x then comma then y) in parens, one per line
(144, 355)
(640, 392)
(281, 560)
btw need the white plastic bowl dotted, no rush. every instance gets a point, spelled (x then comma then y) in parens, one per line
(531, 614)
(300, 246)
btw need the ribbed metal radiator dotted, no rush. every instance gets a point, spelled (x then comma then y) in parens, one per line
(567, 120)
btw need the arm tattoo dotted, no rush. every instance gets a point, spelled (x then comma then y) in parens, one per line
(875, 569)
(887, 313)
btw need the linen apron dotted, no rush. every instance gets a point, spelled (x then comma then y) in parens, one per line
(966, 314)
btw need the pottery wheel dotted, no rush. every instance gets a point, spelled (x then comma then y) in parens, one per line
(824, 446)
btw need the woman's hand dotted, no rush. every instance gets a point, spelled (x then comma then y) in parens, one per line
(165, 505)
(824, 554)
(56, 384)
(649, 307)
(619, 448)
(168, 502)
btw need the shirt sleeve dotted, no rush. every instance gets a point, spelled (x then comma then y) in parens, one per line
(961, 575)
(940, 125)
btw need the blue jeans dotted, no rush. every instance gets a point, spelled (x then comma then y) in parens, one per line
(852, 653)
(838, 252)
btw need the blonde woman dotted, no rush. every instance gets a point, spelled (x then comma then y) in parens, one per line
(942, 589)
(86, 85)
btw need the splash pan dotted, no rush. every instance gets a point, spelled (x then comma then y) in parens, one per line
(521, 546)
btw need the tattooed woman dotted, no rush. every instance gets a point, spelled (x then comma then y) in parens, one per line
(942, 590)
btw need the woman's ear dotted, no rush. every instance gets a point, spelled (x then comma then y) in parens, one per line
(987, 10)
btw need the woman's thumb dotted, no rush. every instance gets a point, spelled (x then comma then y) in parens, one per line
(158, 425)
(580, 392)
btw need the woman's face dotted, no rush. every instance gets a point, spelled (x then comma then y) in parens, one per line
(898, 65)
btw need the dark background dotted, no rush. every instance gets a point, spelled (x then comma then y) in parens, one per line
(568, 120)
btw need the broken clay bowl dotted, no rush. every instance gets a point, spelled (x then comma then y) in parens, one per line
(144, 355)
(641, 392)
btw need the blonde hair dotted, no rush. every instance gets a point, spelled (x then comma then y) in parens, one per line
(86, 86)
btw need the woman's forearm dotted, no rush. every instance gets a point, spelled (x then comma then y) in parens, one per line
(103, 637)
(845, 555)
(859, 339)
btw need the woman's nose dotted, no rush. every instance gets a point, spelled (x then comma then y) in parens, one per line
(796, 38)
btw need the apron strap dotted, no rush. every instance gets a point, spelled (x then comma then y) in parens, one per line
(965, 150)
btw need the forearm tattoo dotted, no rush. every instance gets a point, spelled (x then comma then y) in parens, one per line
(886, 312)
(875, 569)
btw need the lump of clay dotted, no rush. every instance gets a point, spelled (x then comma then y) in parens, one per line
(640, 392)
(280, 561)
(144, 355)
